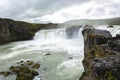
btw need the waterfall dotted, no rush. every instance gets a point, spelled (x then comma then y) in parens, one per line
(114, 30)
(51, 34)
(59, 33)
(66, 49)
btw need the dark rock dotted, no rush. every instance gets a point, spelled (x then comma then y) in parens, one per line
(110, 26)
(5, 73)
(24, 76)
(102, 55)
(70, 57)
(118, 35)
(29, 62)
(34, 73)
(36, 66)
(20, 62)
(93, 37)
(47, 54)
(23, 71)
(114, 44)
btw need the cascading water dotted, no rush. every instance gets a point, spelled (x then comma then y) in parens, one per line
(64, 61)
(51, 34)
(114, 30)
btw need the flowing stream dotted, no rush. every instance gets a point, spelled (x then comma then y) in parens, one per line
(64, 61)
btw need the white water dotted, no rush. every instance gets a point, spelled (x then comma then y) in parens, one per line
(56, 66)
(115, 30)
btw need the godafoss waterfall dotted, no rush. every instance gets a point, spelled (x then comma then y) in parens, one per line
(59, 52)
(59, 55)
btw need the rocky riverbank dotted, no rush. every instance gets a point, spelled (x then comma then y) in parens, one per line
(101, 55)
(11, 30)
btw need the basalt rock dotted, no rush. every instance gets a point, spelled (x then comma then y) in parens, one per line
(110, 26)
(11, 30)
(47, 54)
(23, 70)
(102, 55)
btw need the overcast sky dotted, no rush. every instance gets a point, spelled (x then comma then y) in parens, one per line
(58, 10)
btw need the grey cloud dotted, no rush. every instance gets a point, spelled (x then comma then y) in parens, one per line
(19, 8)
(30, 9)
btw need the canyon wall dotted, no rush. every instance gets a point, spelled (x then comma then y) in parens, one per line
(101, 55)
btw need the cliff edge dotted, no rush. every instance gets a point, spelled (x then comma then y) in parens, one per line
(11, 30)
(101, 55)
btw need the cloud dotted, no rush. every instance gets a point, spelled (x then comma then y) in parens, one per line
(58, 10)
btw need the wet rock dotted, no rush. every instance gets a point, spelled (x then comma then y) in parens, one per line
(24, 71)
(5, 73)
(24, 76)
(34, 73)
(70, 57)
(29, 62)
(20, 62)
(36, 66)
(118, 35)
(110, 26)
(47, 54)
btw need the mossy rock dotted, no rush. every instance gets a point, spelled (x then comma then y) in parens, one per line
(24, 71)
(24, 76)
(29, 62)
(5, 73)
(109, 76)
(33, 72)
(36, 66)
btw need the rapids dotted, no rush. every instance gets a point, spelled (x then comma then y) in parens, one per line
(64, 61)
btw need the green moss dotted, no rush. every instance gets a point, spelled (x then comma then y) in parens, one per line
(99, 52)
(109, 76)
(36, 66)
(95, 35)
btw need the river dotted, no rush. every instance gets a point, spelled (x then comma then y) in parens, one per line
(64, 61)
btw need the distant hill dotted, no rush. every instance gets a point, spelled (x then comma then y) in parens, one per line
(110, 21)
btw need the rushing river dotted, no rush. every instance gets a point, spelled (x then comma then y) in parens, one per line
(64, 61)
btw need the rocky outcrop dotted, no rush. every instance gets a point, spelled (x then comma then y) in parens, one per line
(11, 30)
(24, 70)
(101, 55)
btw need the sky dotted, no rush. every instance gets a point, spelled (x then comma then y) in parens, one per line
(58, 11)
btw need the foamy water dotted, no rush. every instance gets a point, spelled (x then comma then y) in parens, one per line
(57, 65)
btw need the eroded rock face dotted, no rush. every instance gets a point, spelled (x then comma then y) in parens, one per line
(24, 70)
(102, 55)
(11, 30)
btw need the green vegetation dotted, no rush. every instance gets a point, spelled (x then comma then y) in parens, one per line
(109, 76)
